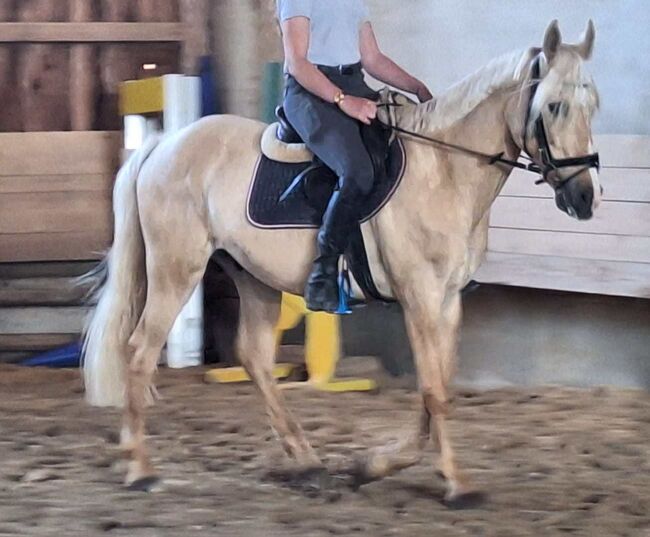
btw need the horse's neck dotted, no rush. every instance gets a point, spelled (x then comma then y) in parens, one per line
(486, 130)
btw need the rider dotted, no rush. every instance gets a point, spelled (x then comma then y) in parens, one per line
(326, 44)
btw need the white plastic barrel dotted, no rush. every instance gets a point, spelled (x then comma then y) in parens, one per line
(182, 106)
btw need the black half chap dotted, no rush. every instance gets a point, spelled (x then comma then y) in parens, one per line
(334, 137)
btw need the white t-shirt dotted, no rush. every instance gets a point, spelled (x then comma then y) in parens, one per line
(334, 28)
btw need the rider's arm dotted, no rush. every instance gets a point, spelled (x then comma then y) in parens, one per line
(295, 38)
(380, 66)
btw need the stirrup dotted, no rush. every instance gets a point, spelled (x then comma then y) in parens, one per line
(345, 291)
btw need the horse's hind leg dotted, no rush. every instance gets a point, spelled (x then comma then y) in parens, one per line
(175, 265)
(256, 347)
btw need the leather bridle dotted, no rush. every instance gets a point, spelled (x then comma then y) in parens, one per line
(547, 163)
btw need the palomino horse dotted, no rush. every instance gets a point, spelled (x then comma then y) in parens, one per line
(181, 199)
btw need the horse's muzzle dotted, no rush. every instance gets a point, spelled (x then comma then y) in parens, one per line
(575, 198)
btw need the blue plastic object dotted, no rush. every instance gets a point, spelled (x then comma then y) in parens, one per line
(345, 293)
(68, 356)
(209, 104)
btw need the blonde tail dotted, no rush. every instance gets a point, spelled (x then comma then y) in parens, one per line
(122, 295)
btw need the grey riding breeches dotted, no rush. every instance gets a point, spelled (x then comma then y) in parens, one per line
(334, 137)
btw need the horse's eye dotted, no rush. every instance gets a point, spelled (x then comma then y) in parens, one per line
(554, 108)
(557, 108)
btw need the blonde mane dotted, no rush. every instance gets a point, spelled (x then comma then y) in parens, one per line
(505, 72)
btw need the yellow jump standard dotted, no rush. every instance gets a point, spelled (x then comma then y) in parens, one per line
(322, 351)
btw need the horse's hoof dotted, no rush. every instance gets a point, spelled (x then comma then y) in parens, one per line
(360, 474)
(313, 481)
(471, 499)
(144, 484)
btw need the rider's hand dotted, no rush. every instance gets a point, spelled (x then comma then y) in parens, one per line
(359, 108)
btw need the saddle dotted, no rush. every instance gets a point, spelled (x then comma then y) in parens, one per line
(291, 187)
(318, 178)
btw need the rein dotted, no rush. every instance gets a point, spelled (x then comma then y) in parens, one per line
(548, 162)
(497, 158)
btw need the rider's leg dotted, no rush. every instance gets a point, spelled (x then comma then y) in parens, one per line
(322, 291)
(336, 139)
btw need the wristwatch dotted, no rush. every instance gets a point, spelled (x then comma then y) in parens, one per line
(339, 98)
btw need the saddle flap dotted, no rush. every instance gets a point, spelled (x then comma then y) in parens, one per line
(303, 206)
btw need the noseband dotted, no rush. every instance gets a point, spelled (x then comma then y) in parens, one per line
(548, 163)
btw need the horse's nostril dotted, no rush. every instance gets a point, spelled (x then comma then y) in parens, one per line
(602, 190)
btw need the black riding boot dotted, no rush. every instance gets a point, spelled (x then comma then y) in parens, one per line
(322, 290)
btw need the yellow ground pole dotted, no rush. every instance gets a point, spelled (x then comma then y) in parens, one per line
(322, 351)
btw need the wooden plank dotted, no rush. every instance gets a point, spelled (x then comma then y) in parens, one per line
(42, 320)
(55, 212)
(13, 357)
(566, 274)
(578, 245)
(613, 218)
(35, 342)
(92, 32)
(42, 292)
(56, 183)
(623, 150)
(50, 269)
(620, 184)
(77, 246)
(43, 153)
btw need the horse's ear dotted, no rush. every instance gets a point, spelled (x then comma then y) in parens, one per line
(586, 45)
(552, 40)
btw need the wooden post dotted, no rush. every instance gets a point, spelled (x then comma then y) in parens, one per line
(270, 39)
(113, 58)
(82, 73)
(43, 72)
(115, 10)
(157, 10)
(10, 117)
(195, 13)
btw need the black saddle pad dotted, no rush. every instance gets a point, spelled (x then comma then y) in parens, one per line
(300, 209)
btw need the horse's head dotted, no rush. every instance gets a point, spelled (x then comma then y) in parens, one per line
(557, 133)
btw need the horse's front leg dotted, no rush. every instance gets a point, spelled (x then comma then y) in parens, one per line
(432, 315)
(432, 321)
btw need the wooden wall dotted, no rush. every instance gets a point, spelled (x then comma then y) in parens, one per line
(532, 244)
(61, 63)
(245, 36)
(60, 71)
(55, 194)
